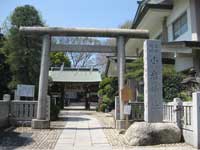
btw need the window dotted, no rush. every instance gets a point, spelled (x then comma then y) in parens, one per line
(180, 26)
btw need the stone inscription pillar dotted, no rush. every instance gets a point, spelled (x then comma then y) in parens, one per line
(41, 121)
(121, 70)
(153, 101)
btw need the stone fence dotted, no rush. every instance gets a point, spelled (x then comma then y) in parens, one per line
(4, 113)
(137, 111)
(19, 111)
(185, 114)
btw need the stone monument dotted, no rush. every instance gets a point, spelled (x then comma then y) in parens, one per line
(153, 101)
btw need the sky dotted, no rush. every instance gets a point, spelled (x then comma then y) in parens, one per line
(77, 13)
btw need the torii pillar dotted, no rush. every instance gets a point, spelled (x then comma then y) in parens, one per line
(121, 70)
(121, 67)
(41, 121)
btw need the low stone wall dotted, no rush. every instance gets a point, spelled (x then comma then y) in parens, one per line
(186, 116)
(17, 112)
(4, 112)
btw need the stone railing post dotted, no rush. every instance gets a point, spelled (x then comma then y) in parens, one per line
(196, 119)
(16, 97)
(117, 108)
(178, 106)
(48, 107)
(6, 97)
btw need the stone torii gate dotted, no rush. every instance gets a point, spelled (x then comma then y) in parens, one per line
(122, 35)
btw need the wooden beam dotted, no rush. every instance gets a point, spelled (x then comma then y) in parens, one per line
(86, 32)
(83, 48)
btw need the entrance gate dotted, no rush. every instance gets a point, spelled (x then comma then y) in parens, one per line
(121, 35)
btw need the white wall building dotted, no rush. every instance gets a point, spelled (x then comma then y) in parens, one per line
(177, 24)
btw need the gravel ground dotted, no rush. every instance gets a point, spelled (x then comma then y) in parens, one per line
(117, 140)
(26, 138)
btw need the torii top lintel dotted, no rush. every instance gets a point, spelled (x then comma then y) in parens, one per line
(86, 32)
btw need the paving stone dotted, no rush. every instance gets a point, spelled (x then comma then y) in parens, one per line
(96, 132)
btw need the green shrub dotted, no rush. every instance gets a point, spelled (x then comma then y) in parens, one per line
(171, 79)
(103, 107)
(100, 93)
(140, 97)
(106, 100)
(54, 111)
(107, 90)
(172, 86)
(184, 96)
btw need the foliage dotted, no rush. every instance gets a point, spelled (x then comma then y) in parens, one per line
(103, 107)
(107, 90)
(140, 97)
(23, 52)
(126, 25)
(26, 16)
(80, 59)
(54, 111)
(184, 96)
(58, 58)
(172, 86)
(5, 74)
(135, 70)
(171, 83)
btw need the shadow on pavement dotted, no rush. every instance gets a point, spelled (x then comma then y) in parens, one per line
(97, 128)
(75, 119)
(11, 139)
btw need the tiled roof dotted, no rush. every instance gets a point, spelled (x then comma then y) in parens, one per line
(75, 76)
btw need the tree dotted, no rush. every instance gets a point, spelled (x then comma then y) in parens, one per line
(107, 91)
(23, 52)
(172, 86)
(126, 25)
(80, 59)
(5, 75)
(59, 58)
(135, 70)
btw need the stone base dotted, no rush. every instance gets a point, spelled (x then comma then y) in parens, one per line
(121, 124)
(40, 124)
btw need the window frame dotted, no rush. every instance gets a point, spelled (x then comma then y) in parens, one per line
(180, 25)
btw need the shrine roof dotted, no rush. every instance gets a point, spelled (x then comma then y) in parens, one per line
(75, 75)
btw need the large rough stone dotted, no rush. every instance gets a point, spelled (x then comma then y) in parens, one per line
(143, 134)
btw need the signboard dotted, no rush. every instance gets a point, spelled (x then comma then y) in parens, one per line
(127, 109)
(117, 108)
(127, 93)
(25, 90)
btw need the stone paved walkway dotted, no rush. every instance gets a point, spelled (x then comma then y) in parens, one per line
(82, 132)
(89, 130)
